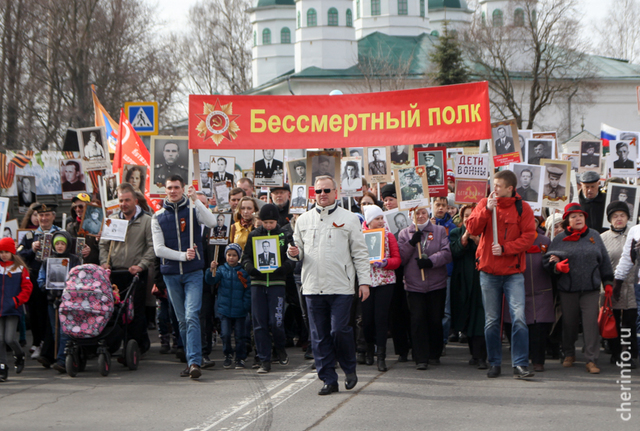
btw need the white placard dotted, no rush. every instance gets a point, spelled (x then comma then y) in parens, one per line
(114, 229)
(475, 166)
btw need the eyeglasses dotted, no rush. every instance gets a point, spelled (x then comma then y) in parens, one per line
(325, 191)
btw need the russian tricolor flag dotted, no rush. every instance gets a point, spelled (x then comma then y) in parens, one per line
(608, 133)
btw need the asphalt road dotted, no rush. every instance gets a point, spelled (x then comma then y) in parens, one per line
(452, 396)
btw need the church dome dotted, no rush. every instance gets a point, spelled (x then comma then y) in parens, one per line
(263, 3)
(449, 4)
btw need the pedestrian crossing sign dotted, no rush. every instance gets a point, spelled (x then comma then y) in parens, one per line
(143, 116)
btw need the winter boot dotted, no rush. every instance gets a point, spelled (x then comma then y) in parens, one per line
(369, 355)
(19, 363)
(382, 354)
(4, 372)
(165, 345)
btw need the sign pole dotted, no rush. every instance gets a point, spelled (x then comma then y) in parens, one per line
(415, 222)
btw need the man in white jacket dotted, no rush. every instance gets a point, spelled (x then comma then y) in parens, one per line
(329, 242)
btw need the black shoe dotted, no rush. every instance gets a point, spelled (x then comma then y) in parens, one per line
(4, 374)
(164, 349)
(256, 363)
(194, 371)
(59, 367)
(482, 365)
(463, 339)
(265, 367)
(444, 350)
(434, 361)
(19, 363)
(351, 381)
(494, 371)
(422, 366)
(207, 363)
(368, 357)
(520, 372)
(283, 358)
(46, 362)
(228, 362)
(185, 372)
(329, 389)
(180, 354)
(454, 337)
(473, 361)
(402, 358)
(382, 364)
(308, 354)
(360, 358)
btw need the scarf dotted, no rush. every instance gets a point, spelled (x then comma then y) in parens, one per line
(246, 223)
(619, 231)
(574, 235)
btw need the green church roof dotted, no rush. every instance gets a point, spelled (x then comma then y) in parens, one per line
(263, 3)
(449, 4)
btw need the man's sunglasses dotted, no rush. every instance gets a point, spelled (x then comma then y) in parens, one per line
(326, 191)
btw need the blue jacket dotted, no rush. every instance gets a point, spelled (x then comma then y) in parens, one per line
(449, 225)
(174, 222)
(234, 299)
(15, 289)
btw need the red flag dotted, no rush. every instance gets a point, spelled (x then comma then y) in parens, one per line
(131, 151)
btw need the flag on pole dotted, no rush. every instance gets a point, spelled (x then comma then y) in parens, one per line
(103, 119)
(608, 133)
(131, 150)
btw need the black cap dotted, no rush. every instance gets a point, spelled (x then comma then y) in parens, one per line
(617, 206)
(388, 190)
(269, 212)
(283, 187)
(45, 208)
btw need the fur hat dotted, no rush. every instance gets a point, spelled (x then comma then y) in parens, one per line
(617, 206)
(388, 190)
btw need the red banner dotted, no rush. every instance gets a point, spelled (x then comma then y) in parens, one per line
(408, 117)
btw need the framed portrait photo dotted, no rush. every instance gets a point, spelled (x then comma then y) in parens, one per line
(357, 152)
(26, 189)
(222, 169)
(10, 229)
(350, 178)
(92, 220)
(220, 232)
(530, 183)
(401, 156)
(4, 209)
(434, 161)
(169, 157)
(590, 156)
(573, 158)
(297, 171)
(111, 189)
(268, 168)
(556, 183)
(94, 149)
(538, 149)
(72, 178)
(622, 158)
(505, 143)
(266, 253)
(377, 166)
(298, 199)
(221, 193)
(547, 135)
(523, 135)
(626, 193)
(375, 244)
(57, 273)
(136, 175)
(322, 163)
(397, 220)
(412, 188)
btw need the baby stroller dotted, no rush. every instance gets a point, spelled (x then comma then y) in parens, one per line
(91, 318)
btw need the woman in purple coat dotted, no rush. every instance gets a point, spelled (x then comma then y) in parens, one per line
(539, 307)
(426, 297)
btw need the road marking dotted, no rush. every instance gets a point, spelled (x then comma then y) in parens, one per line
(216, 419)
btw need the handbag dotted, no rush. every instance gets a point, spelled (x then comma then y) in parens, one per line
(606, 320)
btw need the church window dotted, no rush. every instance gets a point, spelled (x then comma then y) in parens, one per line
(403, 9)
(375, 7)
(349, 18)
(497, 18)
(422, 11)
(518, 17)
(299, 20)
(312, 18)
(255, 38)
(435, 33)
(285, 35)
(266, 36)
(332, 17)
(357, 9)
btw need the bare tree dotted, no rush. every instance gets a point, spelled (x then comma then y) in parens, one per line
(531, 58)
(619, 31)
(215, 53)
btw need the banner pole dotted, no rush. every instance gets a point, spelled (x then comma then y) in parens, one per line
(415, 222)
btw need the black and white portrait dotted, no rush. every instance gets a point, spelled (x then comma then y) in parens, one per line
(323, 163)
(11, 229)
(221, 192)
(375, 244)
(625, 154)
(57, 273)
(136, 175)
(205, 177)
(411, 186)
(556, 182)
(92, 220)
(396, 220)
(26, 191)
(537, 149)
(72, 178)
(624, 194)
(266, 253)
(299, 197)
(529, 182)
(629, 136)
(573, 158)
(590, 152)
(432, 160)
(220, 232)
(94, 150)
(170, 157)
(268, 167)
(523, 135)
(503, 139)
(350, 177)
(297, 170)
(356, 152)
(400, 154)
(377, 161)
(222, 168)
(111, 188)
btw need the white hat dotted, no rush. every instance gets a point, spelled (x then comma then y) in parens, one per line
(371, 212)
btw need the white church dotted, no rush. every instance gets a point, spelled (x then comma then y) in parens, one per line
(303, 47)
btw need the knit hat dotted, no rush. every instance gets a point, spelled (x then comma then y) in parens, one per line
(59, 238)
(235, 247)
(371, 212)
(617, 206)
(450, 175)
(573, 207)
(269, 212)
(388, 190)
(8, 244)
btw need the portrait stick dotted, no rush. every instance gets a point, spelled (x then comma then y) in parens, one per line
(215, 253)
(64, 221)
(494, 212)
(109, 255)
(415, 222)
(103, 197)
(191, 244)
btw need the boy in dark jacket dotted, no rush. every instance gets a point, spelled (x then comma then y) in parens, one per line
(268, 286)
(234, 302)
(61, 242)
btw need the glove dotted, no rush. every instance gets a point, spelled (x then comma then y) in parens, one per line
(424, 263)
(380, 264)
(255, 273)
(617, 288)
(415, 239)
(563, 266)
(279, 271)
(608, 291)
(634, 252)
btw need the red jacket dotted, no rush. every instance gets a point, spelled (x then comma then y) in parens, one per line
(515, 234)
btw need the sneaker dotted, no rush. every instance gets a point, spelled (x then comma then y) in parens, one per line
(207, 363)
(522, 372)
(240, 364)
(32, 349)
(59, 367)
(194, 371)
(264, 368)
(256, 363)
(36, 352)
(283, 358)
(19, 363)
(228, 362)
(422, 366)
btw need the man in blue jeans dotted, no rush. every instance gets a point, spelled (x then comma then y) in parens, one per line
(501, 268)
(182, 263)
